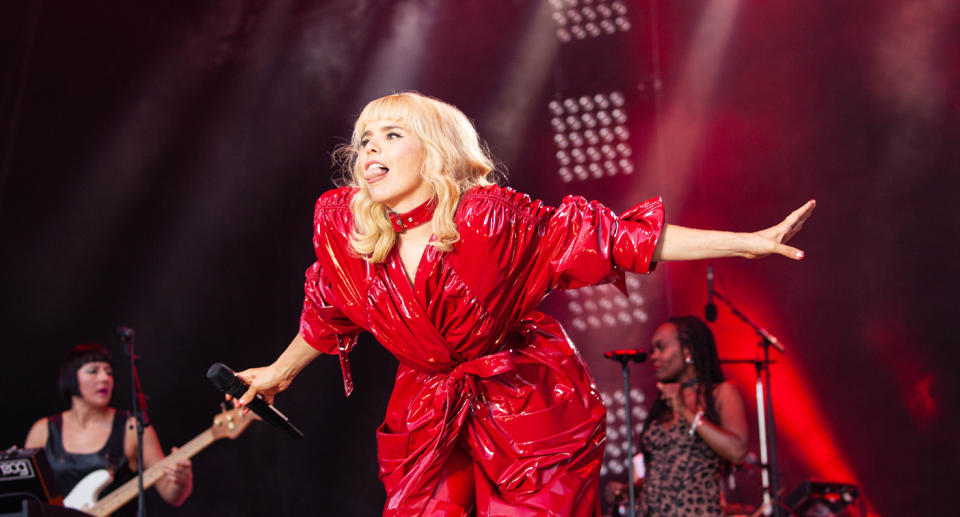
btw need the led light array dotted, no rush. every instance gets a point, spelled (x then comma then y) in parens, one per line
(615, 453)
(604, 306)
(581, 19)
(591, 136)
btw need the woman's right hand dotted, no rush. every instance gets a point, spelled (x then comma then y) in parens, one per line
(773, 239)
(270, 380)
(266, 380)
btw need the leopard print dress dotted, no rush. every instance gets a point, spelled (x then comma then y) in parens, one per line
(682, 473)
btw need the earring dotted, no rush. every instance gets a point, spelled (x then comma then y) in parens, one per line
(689, 360)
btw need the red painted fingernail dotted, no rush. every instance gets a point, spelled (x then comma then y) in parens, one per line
(799, 254)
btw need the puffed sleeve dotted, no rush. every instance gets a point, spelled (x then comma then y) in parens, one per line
(321, 324)
(586, 243)
(324, 326)
(326, 322)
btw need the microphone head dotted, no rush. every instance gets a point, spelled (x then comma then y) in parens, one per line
(226, 380)
(637, 355)
(710, 312)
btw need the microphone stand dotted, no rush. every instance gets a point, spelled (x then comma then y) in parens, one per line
(139, 412)
(770, 475)
(626, 392)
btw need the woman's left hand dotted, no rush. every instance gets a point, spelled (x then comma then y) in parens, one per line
(773, 239)
(178, 470)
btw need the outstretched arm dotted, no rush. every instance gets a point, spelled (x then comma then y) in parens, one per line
(272, 379)
(680, 243)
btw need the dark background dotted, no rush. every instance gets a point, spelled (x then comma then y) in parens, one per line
(160, 161)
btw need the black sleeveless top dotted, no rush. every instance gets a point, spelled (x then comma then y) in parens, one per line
(69, 468)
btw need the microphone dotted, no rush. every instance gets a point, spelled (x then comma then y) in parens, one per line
(125, 334)
(227, 381)
(710, 310)
(637, 355)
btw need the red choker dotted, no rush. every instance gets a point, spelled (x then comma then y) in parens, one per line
(413, 218)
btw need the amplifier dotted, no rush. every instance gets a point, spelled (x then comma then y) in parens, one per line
(26, 474)
(820, 499)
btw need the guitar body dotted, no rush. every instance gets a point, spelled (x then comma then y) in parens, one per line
(85, 494)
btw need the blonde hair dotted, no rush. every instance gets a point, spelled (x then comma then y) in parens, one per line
(454, 161)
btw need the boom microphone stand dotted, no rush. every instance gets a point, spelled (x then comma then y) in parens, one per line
(768, 438)
(126, 336)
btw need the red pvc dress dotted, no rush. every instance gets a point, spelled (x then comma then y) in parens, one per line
(479, 369)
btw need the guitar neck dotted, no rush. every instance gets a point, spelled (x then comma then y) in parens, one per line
(129, 490)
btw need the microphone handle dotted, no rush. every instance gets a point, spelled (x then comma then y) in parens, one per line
(273, 415)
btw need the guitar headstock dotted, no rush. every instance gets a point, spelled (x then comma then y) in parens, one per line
(230, 423)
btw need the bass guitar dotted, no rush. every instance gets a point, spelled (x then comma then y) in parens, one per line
(84, 496)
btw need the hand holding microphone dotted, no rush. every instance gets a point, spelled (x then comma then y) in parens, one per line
(258, 398)
(264, 381)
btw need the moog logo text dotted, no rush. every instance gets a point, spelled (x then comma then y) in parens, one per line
(15, 469)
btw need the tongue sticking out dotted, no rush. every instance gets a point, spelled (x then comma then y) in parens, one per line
(375, 171)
